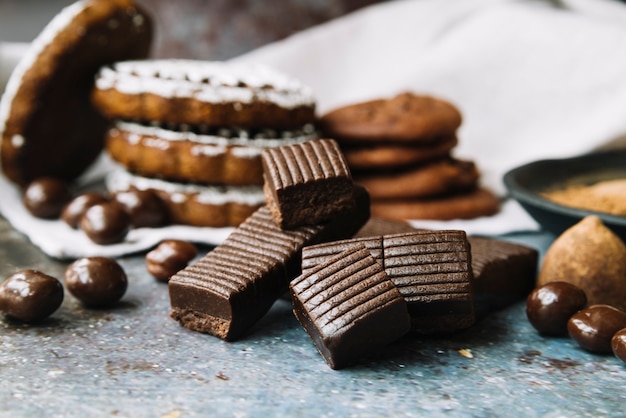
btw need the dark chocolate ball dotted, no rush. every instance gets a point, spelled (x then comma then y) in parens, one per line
(169, 257)
(105, 223)
(618, 344)
(594, 327)
(30, 295)
(45, 197)
(75, 208)
(145, 207)
(96, 281)
(550, 306)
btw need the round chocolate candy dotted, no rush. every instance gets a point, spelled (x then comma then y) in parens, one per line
(74, 210)
(45, 197)
(30, 295)
(594, 327)
(549, 307)
(618, 344)
(105, 223)
(145, 207)
(96, 281)
(169, 257)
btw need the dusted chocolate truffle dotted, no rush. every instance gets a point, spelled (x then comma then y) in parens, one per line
(96, 281)
(145, 207)
(74, 210)
(550, 306)
(105, 223)
(46, 197)
(30, 295)
(169, 257)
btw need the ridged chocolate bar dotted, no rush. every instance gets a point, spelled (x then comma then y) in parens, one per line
(232, 287)
(306, 183)
(349, 307)
(504, 273)
(432, 270)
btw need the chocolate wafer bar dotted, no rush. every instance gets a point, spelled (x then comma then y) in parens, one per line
(349, 307)
(306, 183)
(432, 270)
(504, 273)
(229, 289)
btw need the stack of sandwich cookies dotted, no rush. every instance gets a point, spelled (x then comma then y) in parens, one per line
(400, 149)
(48, 127)
(193, 131)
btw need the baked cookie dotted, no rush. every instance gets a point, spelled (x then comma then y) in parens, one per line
(48, 126)
(213, 156)
(439, 177)
(386, 156)
(406, 117)
(192, 204)
(203, 93)
(472, 204)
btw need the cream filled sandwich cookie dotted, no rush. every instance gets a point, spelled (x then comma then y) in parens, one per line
(193, 204)
(208, 93)
(229, 156)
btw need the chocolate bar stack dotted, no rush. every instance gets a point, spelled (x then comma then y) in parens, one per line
(351, 295)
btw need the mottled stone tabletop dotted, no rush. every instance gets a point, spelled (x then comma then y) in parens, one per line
(134, 361)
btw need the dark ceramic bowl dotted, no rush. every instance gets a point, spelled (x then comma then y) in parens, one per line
(525, 183)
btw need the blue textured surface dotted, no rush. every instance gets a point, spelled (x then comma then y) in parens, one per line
(135, 361)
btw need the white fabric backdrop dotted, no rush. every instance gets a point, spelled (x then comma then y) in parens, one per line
(533, 79)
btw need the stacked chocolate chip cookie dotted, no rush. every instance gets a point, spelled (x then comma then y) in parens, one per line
(193, 131)
(400, 149)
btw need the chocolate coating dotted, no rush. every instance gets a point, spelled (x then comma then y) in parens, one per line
(75, 208)
(169, 257)
(105, 223)
(30, 295)
(550, 306)
(45, 197)
(96, 281)
(618, 344)
(594, 327)
(145, 207)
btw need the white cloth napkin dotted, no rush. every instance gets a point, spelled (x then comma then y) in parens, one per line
(534, 79)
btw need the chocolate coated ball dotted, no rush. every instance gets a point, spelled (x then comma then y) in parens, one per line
(169, 257)
(74, 210)
(550, 306)
(30, 295)
(96, 281)
(618, 344)
(594, 327)
(145, 207)
(46, 196)
(105, 223)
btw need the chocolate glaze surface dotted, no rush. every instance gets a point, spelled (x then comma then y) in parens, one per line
(349, 307)
(105, 223)
(145, 207)
(618, 344)
(550, 306)
(46, 196)
(30, 295)
(96, 281)
(228, 290)
(169, 257)
(593, 327)
(74, 209)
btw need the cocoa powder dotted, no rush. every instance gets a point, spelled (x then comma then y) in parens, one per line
(605, 196)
